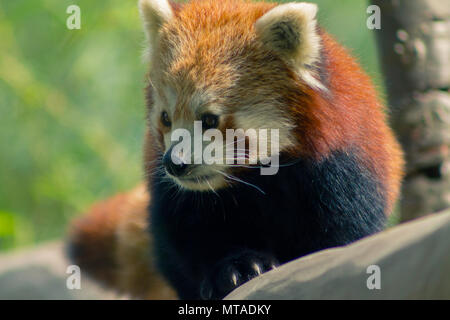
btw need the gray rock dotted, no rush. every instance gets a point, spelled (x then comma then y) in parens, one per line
(414, 262)
(40, 273)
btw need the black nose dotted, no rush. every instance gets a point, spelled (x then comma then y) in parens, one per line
(175, 169)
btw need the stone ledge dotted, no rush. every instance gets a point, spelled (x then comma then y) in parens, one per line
(40, 273)
(414, 259)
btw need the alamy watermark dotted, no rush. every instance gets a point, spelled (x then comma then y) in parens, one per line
(73, 282)
(74, 20)
(234, 146)
(374, 280)
(374, 20)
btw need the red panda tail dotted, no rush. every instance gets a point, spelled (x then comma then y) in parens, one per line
(111, 244)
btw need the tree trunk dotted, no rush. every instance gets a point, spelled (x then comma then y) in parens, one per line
(414, 47)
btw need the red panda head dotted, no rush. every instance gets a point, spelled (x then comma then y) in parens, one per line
(232, 65)
(238, 65)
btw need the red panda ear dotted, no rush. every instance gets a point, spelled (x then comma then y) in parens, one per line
(154, 13)
(291, 31)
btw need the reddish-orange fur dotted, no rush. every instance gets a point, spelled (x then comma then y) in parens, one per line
(109, 237)
(111, 244)
(321, 126)
(359, 121)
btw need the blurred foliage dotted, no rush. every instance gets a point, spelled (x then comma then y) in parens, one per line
(72, 107)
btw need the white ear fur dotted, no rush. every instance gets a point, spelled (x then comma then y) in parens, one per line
(290, 30)
(154, 13)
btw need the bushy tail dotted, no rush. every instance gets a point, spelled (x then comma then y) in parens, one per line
(111, 244)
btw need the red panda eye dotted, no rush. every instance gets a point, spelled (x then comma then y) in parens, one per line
(210, 121)
(165, 120)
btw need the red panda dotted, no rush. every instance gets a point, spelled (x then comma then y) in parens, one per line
(233, 64)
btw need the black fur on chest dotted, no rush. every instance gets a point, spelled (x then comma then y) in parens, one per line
(305, 207)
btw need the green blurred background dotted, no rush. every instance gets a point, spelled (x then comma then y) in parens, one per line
(72, 107)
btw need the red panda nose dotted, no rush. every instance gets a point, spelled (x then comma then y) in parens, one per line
(177, 168)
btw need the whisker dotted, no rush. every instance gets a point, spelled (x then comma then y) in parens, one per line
(210, 186)
(227, 144)
(239, 180)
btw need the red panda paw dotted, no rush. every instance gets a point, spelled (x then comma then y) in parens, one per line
(234, 271)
